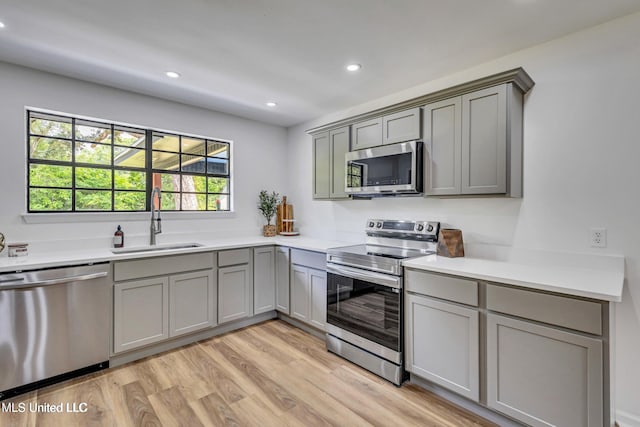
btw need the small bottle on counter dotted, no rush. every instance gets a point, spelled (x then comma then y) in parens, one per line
(118, 238)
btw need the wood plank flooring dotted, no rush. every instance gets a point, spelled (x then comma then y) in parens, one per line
(270, 374)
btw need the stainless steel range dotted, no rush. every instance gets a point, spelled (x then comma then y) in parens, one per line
(364, 294)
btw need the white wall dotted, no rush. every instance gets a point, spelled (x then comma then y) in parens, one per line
(581, 169)
(258, 151)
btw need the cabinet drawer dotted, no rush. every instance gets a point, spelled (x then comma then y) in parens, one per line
(316, 260)
(444, 287)
(585, 316)
(162, 266)
(234, 257)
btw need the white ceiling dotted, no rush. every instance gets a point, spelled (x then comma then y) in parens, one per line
(235, 55)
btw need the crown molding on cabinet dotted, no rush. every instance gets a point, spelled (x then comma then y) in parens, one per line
(517, 76)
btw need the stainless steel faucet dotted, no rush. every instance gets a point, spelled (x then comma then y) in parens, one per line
(156, 221)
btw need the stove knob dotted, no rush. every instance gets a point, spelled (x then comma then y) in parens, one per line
(379, 225)
(420, 227)
(371, 224)
(430, 228)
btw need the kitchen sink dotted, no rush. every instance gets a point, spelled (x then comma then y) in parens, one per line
(155, 248)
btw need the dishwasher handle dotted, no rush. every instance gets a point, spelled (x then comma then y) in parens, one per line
(9, 284)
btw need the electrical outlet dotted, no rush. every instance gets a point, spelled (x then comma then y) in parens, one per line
(598, 237)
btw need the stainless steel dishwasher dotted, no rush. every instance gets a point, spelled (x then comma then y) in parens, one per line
(54, 324)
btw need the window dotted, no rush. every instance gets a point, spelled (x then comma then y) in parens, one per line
(78, 165)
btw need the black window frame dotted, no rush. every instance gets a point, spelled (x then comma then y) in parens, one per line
(112, 167)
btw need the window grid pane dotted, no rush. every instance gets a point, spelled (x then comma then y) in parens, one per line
(78, 165)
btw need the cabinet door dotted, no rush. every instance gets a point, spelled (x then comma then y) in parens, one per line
(318, 294)
(300, 293)
(443, 344)
(443, 144)
(543, 376)
(264, 280)
(339, 146)
(366, 134)
(235, 293)
(321, 166)
(140, 313)
(193, 302)
(484, 141)
(282, 280)
(401, 126)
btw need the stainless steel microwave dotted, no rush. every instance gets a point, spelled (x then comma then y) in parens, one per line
(394, 169)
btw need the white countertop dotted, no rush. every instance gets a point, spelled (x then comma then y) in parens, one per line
(45, 259)
(592, 276)
(587, 275)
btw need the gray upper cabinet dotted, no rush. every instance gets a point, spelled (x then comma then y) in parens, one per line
(443, 147)
(282, 280)
(389, 129)
(264, 280)
(338, 147)
(544, 376)
(484, 141)
(401, 126)
(329, 149)
(321, 166)
(192, 302)
(474, 143)
(366, 134)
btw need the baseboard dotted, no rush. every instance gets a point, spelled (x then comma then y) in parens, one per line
(121, 359)
(625, 419)
(464, 403)
(300, 325)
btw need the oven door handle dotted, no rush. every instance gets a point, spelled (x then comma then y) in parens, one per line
(367, 276)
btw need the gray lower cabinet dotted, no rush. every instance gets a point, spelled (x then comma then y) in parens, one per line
(192, 302)
(543, 376)
(329, 169)
(309, 295)
(141, 313)
(442, 344)
(282, 280)
(235, 293)
(300, 293)
(264, 279)
(318, 298)
(474, 143)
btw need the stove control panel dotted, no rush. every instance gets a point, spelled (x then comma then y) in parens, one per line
(418, 230)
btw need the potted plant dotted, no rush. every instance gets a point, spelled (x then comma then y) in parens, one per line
(268, 205)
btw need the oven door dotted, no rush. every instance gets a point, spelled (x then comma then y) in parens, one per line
(389, 169)
(367, 305)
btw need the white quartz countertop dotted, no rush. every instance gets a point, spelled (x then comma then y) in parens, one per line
(51, 258)
(585, 275)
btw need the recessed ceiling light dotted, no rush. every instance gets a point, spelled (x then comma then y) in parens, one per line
(1, 24)
(172, 74)
(353, 67)
(271, 104)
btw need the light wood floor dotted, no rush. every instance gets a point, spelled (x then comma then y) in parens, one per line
(271, 374)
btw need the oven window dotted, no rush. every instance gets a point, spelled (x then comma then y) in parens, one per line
(366, 309)
(394, 169)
